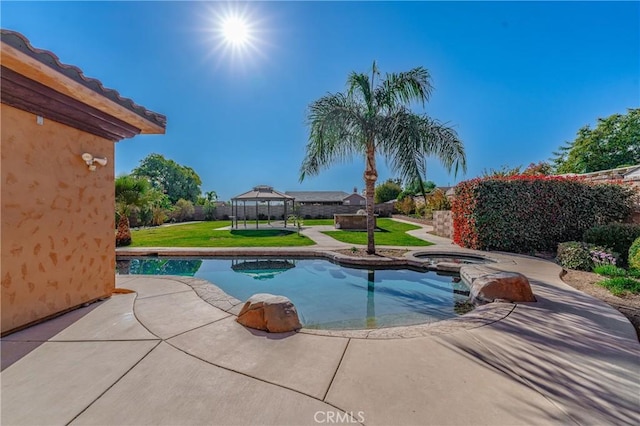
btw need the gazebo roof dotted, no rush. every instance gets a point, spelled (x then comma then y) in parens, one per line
(263, 193)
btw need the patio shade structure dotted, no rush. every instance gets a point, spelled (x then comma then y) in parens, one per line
(259, 194)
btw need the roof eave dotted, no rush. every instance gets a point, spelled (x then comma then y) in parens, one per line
(33, 69)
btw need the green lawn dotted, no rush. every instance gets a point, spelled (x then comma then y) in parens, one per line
(389, 233)
(316, 222)
(205, 234)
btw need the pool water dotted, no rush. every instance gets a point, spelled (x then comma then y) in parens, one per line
(327, 295)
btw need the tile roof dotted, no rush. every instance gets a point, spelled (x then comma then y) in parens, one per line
(21, 43)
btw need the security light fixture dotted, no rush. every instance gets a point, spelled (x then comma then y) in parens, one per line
(92, 161)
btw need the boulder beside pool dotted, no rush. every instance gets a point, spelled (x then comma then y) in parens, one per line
(508, 286)
(275, 314)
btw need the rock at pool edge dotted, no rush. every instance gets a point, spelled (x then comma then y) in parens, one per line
(509, 286)
(275, 314)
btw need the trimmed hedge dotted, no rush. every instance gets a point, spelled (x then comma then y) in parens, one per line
(634, 254)
(615, 236)
(523, 214)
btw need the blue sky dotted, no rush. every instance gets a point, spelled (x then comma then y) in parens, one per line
(515, 79)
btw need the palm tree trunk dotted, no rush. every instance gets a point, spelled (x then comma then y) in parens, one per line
(123, 237)
(370, 177)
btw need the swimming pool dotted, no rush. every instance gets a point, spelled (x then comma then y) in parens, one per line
(327, 295)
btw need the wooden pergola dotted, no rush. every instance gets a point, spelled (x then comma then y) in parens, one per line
(259, 194)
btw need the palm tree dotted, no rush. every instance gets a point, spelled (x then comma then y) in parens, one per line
(371, 119)
(130, 195)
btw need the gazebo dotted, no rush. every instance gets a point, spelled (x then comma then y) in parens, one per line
(259, 194)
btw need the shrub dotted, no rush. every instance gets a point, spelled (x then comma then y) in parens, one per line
(183, 210)
(530, 213)
(437, 200)
(610, 271)
(406, 206)
(575, 255)
(634, 254)
(603, 258)
(633, 273)
(621, 285)
(209, 211)
(159, 216)
(616, 236)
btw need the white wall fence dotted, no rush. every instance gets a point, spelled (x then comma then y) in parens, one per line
(276, 212)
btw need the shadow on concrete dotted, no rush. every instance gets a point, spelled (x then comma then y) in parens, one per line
(575, 350)
(17, 345)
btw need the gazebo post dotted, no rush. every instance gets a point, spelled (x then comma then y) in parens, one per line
(285, 213)
(244, 213)
(268, 212)
(257, 203)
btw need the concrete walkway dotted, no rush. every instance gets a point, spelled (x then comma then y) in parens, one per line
(162, 355)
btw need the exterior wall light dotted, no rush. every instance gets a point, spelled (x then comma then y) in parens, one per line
(91, 161)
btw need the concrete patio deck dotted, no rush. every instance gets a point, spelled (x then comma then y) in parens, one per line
(163, 355)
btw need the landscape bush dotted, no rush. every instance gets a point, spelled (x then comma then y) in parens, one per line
(621, 285)
(438, 200)
(634, 255)
(610, 271)
(406, 206)
(183, 210)
(524, 214)
(575, 255)
(209, 210)
(615, 236)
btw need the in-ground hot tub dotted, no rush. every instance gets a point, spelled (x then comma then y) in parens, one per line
(464, 259)
(351, 221)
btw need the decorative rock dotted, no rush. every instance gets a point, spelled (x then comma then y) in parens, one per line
(469, 273)
(275, 314)
(503, 286)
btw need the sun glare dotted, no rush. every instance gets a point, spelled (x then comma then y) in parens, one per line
(235, 31)
(238, 34)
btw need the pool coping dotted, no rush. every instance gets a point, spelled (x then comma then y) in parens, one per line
(481, 316)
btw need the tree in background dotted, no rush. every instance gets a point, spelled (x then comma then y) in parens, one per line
(130, 194)
(154, 211)
(503, 171)
(533, 169)
(406, 206)
(173, 179)
(208, 203)
(438, 200)
(373, 118)
(615, 142)
(413, 188)
(388, 191)
(541, 168)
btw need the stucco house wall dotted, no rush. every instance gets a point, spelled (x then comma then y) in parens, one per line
(57, 230)
(58, 248)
